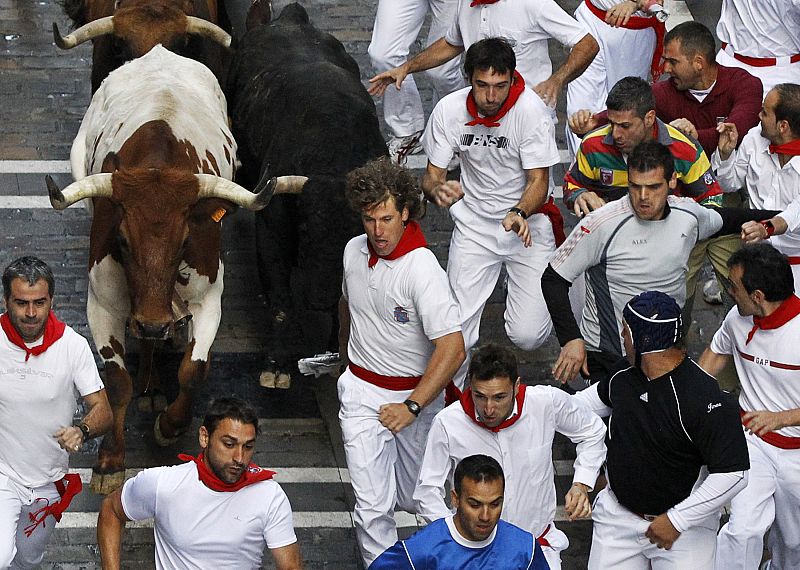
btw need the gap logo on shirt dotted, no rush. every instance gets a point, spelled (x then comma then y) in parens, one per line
(469, 139)
(400, 315)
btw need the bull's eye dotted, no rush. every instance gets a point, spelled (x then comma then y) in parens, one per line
(124, 247)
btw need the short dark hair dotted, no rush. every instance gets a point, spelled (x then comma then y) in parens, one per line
(631, 94)
(649, 155)
(694, 38)
(31, 269)
(788, 107)
(373, 184)
(493, 361)
(229, 408)
(478, 468)
(490, 53)
(764, 268)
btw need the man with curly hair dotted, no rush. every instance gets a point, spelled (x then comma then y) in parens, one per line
(401, 336)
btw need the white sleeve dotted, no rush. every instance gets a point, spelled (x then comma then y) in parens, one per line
(709, 221)
(714, 493)
(453, 35)
(139, 494)
(582, 249)
(591, 398)
(731, 173)
(722, 342)
(84, 370)
(435, 141)
(436, 469)
(557, 24)
(538, 147)
(791, 215)
(279, 530)
(433, 299)
(586, 430)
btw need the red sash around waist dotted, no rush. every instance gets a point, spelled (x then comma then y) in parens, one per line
(396, 383)
(793, 260)
(758, 61)
(776, 439)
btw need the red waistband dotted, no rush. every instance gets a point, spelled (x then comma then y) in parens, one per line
(793, 260)
(633, 23)
(760, 61)
(396, 383)
(778, 440)
(541, 538)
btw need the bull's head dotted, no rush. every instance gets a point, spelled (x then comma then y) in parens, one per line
(141, 25)
(156, 209)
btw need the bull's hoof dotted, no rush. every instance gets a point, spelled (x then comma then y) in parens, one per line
(105, 483)
(273, 379)
(161, 439)
(148, 403)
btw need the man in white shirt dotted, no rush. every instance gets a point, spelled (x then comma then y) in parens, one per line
(515, 424)
(218, 510)
(401, 335)
(763, 38)
(44, 366)
(501, 206)
(767, 163)
(527, 25)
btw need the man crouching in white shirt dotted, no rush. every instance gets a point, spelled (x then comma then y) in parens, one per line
(515, 424)
(217, 510)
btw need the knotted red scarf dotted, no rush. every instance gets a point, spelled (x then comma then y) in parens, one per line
(792, 148)
(481, 2)
(469, 409)
(411, 239)
(516, 89)
(53, 330)
(252, 474)
(67, 488)
(787, 310)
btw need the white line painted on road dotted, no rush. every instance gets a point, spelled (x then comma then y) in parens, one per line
(26, 202)
(35, 167)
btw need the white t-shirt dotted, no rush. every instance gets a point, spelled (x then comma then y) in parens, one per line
(397, 308)
(768, 366)
(493, 159)
(761, 28)
(527, 24)
(524, 450)
(39, 397)
(196, 527)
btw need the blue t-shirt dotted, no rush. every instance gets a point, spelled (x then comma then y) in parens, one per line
(438, 546)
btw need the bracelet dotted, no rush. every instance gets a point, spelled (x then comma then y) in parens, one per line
(768, 225)
(518, 211)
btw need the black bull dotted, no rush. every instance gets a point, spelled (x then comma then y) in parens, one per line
(298, 107)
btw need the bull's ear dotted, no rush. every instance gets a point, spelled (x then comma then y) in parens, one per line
(259, 14)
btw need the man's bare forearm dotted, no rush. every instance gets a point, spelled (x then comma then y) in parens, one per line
(580, 57)
(448, 355)
(109, 531)
(434, 55)
(536, 188)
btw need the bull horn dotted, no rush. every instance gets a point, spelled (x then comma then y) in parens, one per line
(290, 184)
(94, 186)
(93, 29)
(206, 29)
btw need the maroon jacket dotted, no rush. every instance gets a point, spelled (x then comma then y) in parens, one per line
(736, 95)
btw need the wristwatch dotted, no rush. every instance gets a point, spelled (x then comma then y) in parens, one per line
(413, 407)
(518, 211)
(84, 430)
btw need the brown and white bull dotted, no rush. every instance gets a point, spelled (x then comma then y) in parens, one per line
(155, 154)
(122, 30)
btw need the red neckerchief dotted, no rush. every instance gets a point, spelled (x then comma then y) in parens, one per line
(53, 330)
(792, 148)
(517, 87)
(252, 474)
(67, 488)
(787, 310)
(469, 409)
(411, 239)
(481, 2)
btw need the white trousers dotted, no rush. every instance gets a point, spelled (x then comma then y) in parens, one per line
(479, 248)
(383, 466)
(619, 541)
(17, 550)
(623, 52)
(771, 499)
(397, 25)
(770, 76)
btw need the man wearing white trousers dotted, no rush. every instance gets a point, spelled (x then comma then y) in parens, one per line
(762, 334)
(763, 38)
(397, 24)
(400, 334)
(501, 206)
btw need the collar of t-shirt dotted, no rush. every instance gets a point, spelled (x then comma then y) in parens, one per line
(787, 310)
(701, 94)
(451, 526)
(53, 330)
(469, 408)
(252, 474)
(516, 89)
(411, 239)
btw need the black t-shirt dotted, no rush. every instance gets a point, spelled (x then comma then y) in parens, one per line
(662, 431)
